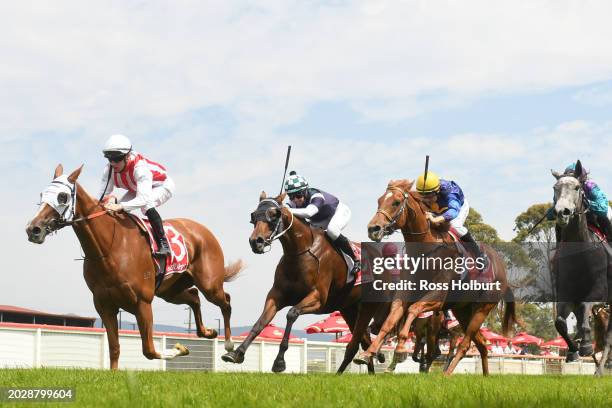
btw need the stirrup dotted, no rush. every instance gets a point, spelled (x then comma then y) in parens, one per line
(163, 249)
(356, 267)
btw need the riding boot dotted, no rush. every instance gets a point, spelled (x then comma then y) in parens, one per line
(163, 249)
(344, 245)
(474, 249)
(606, 226)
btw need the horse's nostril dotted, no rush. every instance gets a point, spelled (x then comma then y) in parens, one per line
(566, 211)
(36, 230)
(259, 240)
(374, 228)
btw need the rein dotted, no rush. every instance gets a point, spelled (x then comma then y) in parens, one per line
(389, 228)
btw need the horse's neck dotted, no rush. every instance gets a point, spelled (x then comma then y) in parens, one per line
(417, 229)
(577, 230)
(298, 238)
(95, 235)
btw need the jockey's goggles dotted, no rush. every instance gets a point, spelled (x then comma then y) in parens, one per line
(293, 196)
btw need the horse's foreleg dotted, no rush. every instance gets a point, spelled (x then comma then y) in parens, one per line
(109, 318)
(395, 314)
(364, 315)
(413, 311)
(270, 309)
(563, 311)
(582, 319)
(144, 317)
(310, 304)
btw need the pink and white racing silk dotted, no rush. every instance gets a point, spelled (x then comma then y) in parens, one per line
(127, 180)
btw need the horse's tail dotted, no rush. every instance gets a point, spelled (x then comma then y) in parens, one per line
(510, 317)
(233, 270)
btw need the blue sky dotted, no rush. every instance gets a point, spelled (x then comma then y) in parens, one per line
(496, 94)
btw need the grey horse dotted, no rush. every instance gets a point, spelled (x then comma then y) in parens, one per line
(582, 267)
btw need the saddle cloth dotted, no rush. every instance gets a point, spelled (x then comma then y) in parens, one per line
(486, 276)
(178, 260)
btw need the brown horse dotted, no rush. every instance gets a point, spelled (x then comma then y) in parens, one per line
(119, 270)
(601, 322)
(311, 276)
(399, 208)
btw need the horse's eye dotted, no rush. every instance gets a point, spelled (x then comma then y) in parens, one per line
(62, 198)
(396, 203)
(577, 188)
(253, 221)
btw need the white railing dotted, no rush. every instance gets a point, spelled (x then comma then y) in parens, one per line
(33, 346)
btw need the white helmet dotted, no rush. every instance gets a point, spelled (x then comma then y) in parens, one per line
(117, 144)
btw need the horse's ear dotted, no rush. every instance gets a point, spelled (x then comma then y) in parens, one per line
(578, 172)
(555, 174)
(409, 183)
(281, 198)
(59, 170)
(75, 174)
(262, 196)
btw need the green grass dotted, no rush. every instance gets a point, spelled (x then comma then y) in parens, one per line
(176, 389)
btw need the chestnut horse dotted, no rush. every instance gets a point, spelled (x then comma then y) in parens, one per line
(119, 269)
(400, 208)
(311, 276)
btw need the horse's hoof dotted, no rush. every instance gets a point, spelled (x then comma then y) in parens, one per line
(572, 356)
(183, 351)
(363, 358)
(229, 345)
(381, 358)
(608, 365)
(423, 368)
(211, 334)
(233, 357)
(586, 350)
(279, 366)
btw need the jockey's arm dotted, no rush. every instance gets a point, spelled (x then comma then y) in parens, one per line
(454, 206)
(307, 212)
(107, 184)
(316, 203)
(144, 188)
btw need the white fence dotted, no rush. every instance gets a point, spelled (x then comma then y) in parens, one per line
(52, 346)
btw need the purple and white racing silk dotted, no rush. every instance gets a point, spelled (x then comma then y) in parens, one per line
(326, 204)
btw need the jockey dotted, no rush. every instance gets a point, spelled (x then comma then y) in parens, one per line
(597, 201)
(147, 182)
(322, 210)
(445, 199)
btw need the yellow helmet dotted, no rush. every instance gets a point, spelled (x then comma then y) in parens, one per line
(431, 185)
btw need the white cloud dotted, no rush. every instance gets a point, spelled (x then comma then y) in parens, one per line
(70, 65)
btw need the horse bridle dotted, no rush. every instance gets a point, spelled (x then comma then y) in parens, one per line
(389, 229)
(70, 209)
(261, 214)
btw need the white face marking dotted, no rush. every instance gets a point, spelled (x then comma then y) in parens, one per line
(389, 194)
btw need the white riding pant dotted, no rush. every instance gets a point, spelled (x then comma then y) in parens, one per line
(339, 221)
(457, 223)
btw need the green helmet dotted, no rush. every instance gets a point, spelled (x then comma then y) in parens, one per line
(295, 183)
